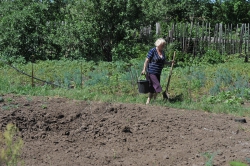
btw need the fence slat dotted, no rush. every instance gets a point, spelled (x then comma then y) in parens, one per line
(196, 38)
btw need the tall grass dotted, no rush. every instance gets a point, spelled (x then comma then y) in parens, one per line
(223, 87)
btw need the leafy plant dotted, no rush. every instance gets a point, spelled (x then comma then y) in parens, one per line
(213, 57)
(225, 97)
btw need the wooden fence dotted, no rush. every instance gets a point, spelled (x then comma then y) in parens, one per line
(195, 38)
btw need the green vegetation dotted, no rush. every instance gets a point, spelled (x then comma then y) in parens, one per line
(237, 163)
(87, 54)
(219, 88)
(11, 146)
(209, 158)
(41, 30)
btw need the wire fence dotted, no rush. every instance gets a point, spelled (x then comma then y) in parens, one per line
(32, 75)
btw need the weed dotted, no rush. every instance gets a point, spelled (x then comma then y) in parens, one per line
(6, 107)
(9, 99)
(209, 157)
(44, 106)
(114, 154)
(10, 106)
(10, 154)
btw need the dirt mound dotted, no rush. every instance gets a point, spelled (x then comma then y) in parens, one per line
(59, 131)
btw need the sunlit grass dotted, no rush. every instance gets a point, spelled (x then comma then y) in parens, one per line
(116, 82)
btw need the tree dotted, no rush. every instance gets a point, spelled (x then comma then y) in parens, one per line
(176, 10)
(236, 11)
(110, 23)
(26, 27)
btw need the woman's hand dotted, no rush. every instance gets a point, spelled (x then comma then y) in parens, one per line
(143, 72)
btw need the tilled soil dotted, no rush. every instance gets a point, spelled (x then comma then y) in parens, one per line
(64, 132)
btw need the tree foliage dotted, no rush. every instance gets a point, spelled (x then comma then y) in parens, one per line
(99, 30)
(25, 29)
(114, 22)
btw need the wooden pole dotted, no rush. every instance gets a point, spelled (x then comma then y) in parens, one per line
(228, 37)
(247, 54)
(215, 36)
(190, 36)
(231, 40)
(32, 73)
(81, 75)
(209, 42)
(241, 38)
(245, 41)
(206, 37)
(220, 38)
(202, 37)
(236, 40)
(184, 37)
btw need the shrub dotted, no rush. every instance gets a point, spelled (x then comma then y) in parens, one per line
(213, 57)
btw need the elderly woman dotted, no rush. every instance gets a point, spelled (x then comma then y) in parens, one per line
(153, 66)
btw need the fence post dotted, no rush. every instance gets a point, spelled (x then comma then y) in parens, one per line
(158, 28)
(241, 38)
(248, 38)
(81, 75)
(245, 41)
(209, 37)
(231, 40)
(32, 72)
(220, 38)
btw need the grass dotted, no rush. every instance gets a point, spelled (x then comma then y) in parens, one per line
(205, 87)
(220, 88)
(237, 163)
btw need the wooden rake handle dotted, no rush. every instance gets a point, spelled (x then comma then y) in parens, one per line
(170, 73)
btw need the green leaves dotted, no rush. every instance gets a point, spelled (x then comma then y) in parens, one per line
(22, 29)
(100, 29)
(112, 24)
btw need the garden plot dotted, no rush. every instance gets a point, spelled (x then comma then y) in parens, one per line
(60, 131)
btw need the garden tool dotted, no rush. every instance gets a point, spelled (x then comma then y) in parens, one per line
(165, 94)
